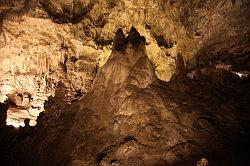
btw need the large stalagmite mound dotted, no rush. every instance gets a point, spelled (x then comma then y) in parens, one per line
(46, 43)
(130, 117)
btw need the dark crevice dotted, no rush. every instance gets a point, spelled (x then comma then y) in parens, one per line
(104, 153)
(102, 42)
(71, 13)
(161, 41)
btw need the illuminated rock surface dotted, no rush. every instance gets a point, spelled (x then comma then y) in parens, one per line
(53, 57)
(130, 117)
(46, 42)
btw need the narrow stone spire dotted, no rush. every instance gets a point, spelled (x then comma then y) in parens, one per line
(134, 37)
(120, 43)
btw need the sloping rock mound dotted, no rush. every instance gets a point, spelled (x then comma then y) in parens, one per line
(132, 118)
(70, 38)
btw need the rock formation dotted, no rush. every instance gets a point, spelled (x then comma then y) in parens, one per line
(130, 117)
(171, 90)
(71, 39)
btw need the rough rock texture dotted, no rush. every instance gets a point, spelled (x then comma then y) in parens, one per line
(67, 10)
(106, 108)
(36, 64)
(130, 117)
(44, 42)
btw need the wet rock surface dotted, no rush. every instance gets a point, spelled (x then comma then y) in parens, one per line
(130, 117)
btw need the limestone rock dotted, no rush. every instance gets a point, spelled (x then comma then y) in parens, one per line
(120, 42)
(132, 117)
(38, 64)
(113, 101)
(67, 11)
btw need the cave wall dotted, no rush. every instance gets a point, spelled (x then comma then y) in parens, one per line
(130, 117)
(45, 42)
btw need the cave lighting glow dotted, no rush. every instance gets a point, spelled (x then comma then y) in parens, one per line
(241, 74)
(16, 117)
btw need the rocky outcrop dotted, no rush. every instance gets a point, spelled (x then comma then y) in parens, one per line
(38, 63)
(120, 42)
(130, 117)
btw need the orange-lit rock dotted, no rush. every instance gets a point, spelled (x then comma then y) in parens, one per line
(131, 117)
(102, 91)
